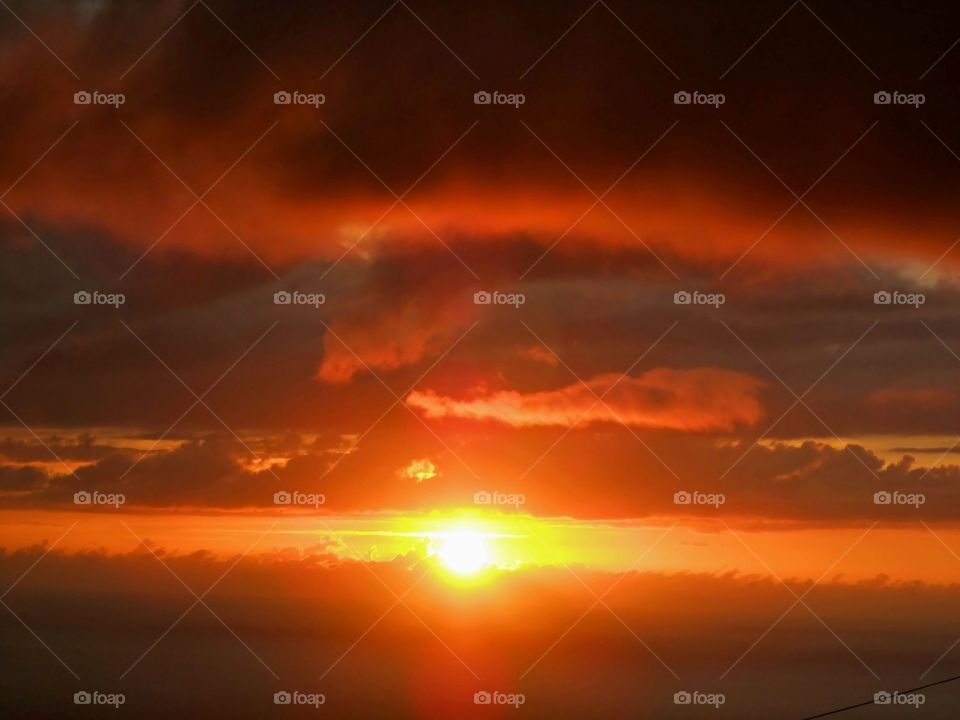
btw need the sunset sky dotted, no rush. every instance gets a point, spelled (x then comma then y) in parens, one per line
(469, 360)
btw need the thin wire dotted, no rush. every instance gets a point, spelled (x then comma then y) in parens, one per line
(872, 702)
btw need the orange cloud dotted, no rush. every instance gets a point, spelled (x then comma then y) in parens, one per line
(538, 353)
(692, 400)
(419, 470)
(918, 398)
(387, 339)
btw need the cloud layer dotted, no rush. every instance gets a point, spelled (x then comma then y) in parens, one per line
(693, 400)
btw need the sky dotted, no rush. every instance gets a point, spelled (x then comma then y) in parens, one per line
(394, 353)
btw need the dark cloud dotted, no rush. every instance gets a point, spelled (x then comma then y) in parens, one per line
(605, 472)
(399, 300)
(84, 448)
(21, 479)
(200, 99)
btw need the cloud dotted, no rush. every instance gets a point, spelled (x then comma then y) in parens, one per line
(17, 479)
(399, 298)
(691, 400)
(200, 99)
(83, 448)
(390, 336)
(921, 399)
(419, 470)
(775, 484)
(538, 353)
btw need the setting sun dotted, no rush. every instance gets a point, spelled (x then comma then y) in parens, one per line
(464, 552)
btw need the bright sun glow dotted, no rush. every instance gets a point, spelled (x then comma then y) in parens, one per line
(464, 552)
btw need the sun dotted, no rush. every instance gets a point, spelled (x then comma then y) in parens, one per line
(464, 552)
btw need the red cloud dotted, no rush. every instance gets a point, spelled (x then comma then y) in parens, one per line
(385, 339)
(922, 398)
(693, 400)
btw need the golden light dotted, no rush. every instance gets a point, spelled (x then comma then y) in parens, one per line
(464, 552)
